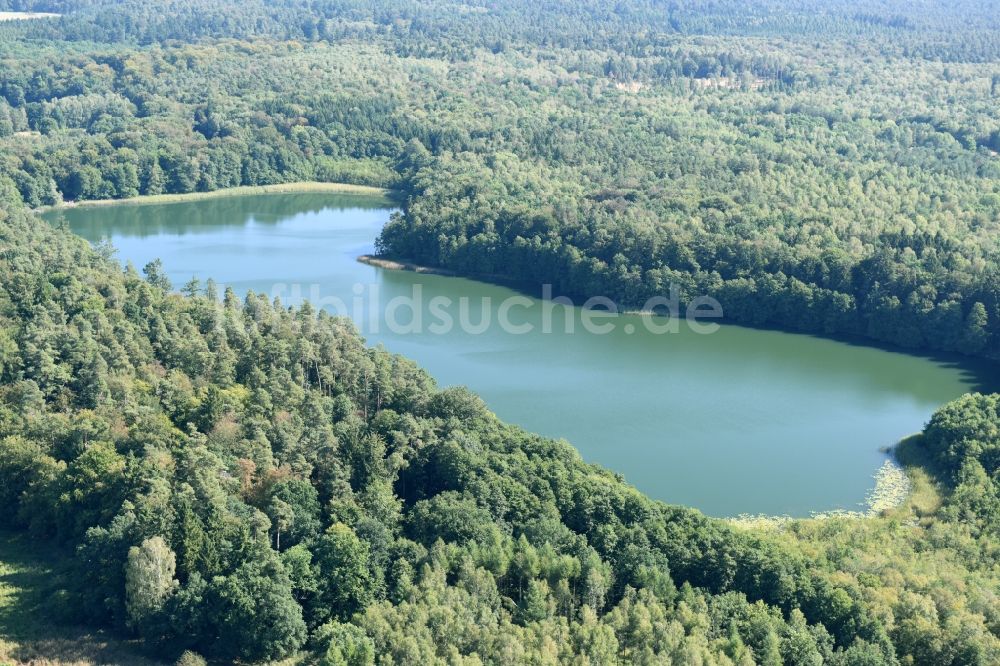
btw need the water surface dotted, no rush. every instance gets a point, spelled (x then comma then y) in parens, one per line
(740, 421)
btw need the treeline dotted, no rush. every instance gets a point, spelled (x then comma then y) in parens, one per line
(249, 481)
(957, 32)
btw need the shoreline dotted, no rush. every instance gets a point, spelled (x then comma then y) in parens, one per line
(896, 485)
(390, 264)
(396, 265)
(893, 486)
(986, 370)
(304, 187)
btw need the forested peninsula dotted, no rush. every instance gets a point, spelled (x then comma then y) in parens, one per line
(212, 476)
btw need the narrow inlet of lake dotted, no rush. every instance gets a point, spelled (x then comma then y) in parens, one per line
(738, 421)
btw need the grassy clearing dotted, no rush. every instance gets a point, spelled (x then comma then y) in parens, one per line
(26, 637)
(925, 493)
(285, 188)
(24, 16)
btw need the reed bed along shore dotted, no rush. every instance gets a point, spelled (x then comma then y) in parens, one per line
(892, 487)
(283, 188)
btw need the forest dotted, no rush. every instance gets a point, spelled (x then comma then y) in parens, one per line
(226, 478)
(846, 196)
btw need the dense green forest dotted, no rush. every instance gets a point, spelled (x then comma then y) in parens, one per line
(833, 173)
(244, 481)
(249, 481)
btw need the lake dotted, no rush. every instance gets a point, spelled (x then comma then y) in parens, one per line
(737, 421)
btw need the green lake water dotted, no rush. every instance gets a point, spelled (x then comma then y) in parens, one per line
(738, 421)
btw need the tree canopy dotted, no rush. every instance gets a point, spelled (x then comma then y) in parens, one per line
(239, 480)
